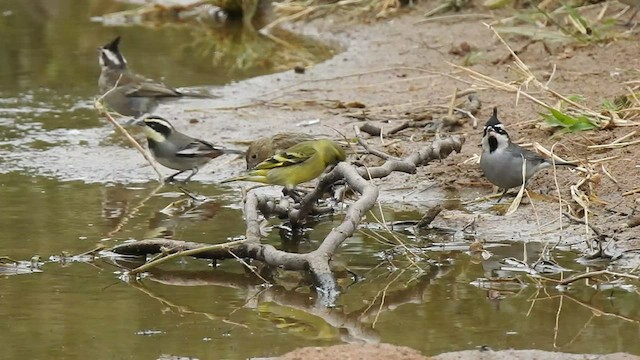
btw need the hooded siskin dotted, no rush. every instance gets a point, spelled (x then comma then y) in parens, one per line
(265, 147)
(300, 163)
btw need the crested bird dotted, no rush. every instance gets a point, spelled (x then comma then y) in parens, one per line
(127, 92)
(502, 160)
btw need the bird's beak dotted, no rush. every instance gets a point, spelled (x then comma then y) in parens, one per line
(136, 122)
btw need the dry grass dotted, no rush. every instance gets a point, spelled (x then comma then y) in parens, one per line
(296, 10)
(566, 112)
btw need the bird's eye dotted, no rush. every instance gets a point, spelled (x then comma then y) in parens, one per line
(254, 156)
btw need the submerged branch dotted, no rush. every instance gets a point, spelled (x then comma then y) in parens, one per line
(592, 274)
(316, 261)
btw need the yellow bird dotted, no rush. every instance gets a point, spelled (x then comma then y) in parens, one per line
(300, 163)
(261, 149)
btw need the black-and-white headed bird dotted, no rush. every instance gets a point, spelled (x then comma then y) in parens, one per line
(114, 71)
(176, 150)
(502, 160)
(126, 92)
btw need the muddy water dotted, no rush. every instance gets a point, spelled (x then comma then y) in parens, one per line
(49, 72)
(78, 308)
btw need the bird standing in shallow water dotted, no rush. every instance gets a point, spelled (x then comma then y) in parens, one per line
(300, 163)
(502, 160)
(176, 150)
(126, 92)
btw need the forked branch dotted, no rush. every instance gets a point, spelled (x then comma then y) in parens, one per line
(316, 261)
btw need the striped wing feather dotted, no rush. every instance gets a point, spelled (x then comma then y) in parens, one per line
(295, 155)
(198, 148)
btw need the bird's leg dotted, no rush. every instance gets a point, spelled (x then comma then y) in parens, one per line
(193, 172)
(630, 22)
(171, 178)
(501, 196)
(600, 250)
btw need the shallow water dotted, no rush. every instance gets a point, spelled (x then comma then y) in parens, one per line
(49, 73)
(78, 308)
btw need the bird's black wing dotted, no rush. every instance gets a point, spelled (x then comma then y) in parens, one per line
(532, 158)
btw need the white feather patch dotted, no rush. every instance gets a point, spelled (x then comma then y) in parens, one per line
(113, 57)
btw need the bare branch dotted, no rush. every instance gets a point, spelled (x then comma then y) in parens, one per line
(370, 149)
(97, 104)
(317, 261)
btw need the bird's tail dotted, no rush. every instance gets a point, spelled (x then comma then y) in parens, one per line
(563, 163)
(196, 95)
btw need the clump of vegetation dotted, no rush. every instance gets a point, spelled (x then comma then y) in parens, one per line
(295, 10)
(566, 122)
(565, 24)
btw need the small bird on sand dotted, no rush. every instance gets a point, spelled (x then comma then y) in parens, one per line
(126, 92)
(300, 163)
(176, 150)
(265, 147)
(502, 160)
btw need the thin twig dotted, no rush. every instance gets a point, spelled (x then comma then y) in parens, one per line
(369, 149)
(557, 323)
(453, 17)
(592, 274)
(249, 267)
(384, 294)
(125, 219)
(102, 111)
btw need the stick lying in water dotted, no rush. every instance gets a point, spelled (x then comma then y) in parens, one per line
(315, 262)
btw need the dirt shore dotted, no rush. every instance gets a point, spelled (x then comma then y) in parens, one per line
(397, 69)
(394, 70)
(391, 352)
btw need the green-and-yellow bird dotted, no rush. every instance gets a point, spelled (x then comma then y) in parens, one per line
(263, 148)
(300, 163)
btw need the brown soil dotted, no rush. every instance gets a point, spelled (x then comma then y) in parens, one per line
(355, 352)
(392, 352)
(378, 70)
